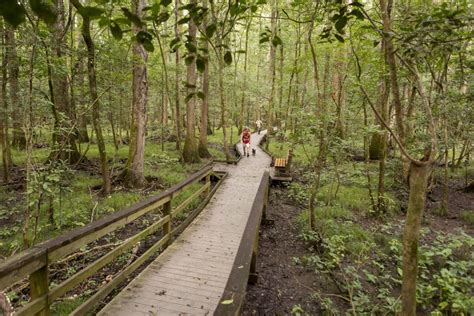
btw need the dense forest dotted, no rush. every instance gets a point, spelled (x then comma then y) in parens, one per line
(104, 103)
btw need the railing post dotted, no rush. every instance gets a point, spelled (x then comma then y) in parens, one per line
(167, 226)
(39, 283)
(208, 181)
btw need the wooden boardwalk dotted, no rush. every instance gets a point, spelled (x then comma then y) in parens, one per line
(190, 277)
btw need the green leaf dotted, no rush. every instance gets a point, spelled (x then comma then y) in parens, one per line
(116, 31)
(210, 30)
(264, 39)
(341, 23)
(253, 8)
(12, 12)
(184, 20)
(122, 20)
(163, 17)
(104, 22)
(339, 38)
(227, 302)
(228, 58)
(234, 9)
(148, 45)
(190, 47)
(200, 64)
(276, 41)
(132, 17)
(189, 97)
(201, 95)
(175, 41)
(357, 4)
(188, 60)
(165, 3)
(91, 12)
(143, 36)
(357, 14)
(44, 10)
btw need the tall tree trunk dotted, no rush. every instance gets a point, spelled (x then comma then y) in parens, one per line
(320, 113)
(244, 82)
(4, 139)
(134, 169)
(383, 137)
(86, 33)
(280, 94)
(18, 139)
(190, 150)
(177, 81)
(64, 134)
(272, 72)
(83, 136)
(222, 101)
(202, 147)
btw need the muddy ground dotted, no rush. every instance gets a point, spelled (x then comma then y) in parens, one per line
(283, 285)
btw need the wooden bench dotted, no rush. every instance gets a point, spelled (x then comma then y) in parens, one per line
(283, 167)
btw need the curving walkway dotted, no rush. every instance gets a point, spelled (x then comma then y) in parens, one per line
(190, 276)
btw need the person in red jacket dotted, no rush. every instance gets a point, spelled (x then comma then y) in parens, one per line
(246, 141)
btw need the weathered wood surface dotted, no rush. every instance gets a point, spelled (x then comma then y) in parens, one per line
(190, 276)
(280, 162)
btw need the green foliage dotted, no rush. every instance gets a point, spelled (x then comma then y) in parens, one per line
(468, 217)
(446, 274)
(12, 12)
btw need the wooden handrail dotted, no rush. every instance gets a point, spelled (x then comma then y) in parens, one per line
(34, 262)
(245, 262)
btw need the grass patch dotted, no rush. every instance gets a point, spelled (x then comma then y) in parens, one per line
(468, 217)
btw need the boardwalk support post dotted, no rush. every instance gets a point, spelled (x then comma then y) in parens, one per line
(39, 282)
(253, 274)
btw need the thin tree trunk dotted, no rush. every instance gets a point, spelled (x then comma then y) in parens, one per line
(5, 143)
(83, 136)
(280, 95)
(177, 81)
(223, 105)
(272, 72)
(86, 33)
(202, 147)
(244, 82)
(418, 179)
(18, 139)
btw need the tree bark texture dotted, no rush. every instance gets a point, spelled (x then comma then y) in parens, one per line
(190, 150)
(202, 147)
(18, 139)
(4, 139)
(272, 72)
(134, 173)
(418, 180)
(177, 82)
(65, 133)
(86, 33)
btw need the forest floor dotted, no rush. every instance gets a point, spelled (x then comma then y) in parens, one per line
(76, 201)
(285, 286)
(281, 284)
